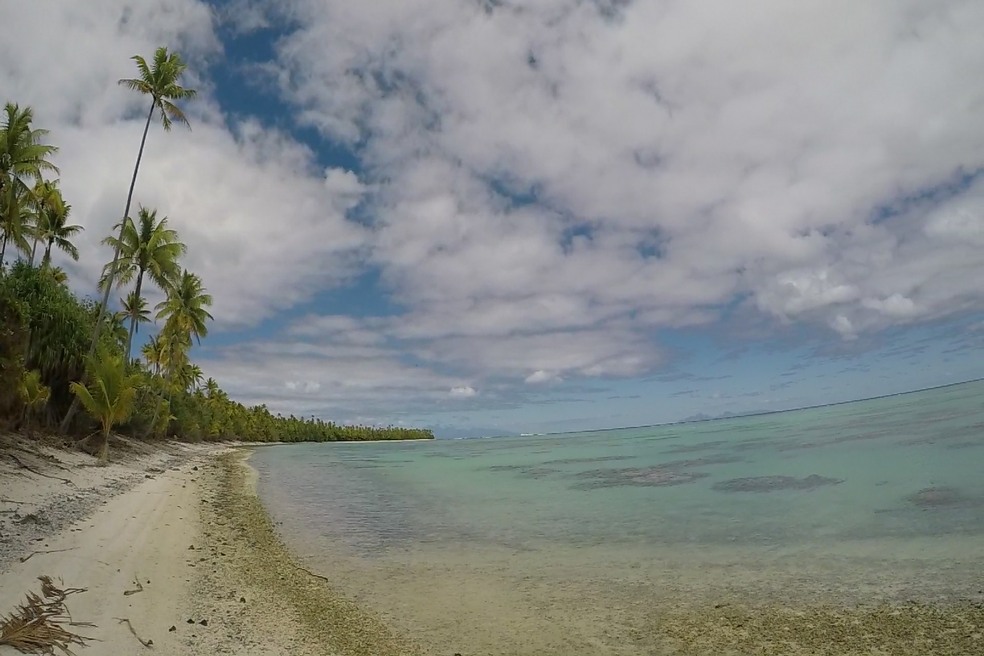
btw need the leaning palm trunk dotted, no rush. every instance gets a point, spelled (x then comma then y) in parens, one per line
(67, 421)
(133, 320)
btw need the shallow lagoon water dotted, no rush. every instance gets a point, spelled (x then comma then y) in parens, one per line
(576, 543)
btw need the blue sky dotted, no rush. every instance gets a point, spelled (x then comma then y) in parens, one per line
(499, 217)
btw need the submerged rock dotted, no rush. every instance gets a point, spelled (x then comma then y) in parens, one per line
(775, 483)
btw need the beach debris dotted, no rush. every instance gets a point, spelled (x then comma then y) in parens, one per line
(30, 518)
(775, 483)
(46, 551)
(308, 572)
(36, 472)
(139, 588)
(37, 626)
(149, 644)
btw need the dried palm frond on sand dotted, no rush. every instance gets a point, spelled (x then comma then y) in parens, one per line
(37, 625)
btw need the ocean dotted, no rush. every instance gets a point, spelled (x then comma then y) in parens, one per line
(591, 543)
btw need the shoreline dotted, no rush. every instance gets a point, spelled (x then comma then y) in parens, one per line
(174, 539)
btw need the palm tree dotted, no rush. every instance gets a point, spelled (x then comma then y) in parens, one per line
(159, 80)
(184, 308)
(134, 307)
(15, 220)
(149, 248)
(154, 354)
(34, 394)
(189, 376)
(173, 344)
(110, 396)
(23, 158)
(52, 227)
(43, 197)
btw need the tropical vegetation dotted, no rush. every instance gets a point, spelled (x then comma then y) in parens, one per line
(60, 352)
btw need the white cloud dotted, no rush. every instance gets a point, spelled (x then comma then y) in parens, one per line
(748, 146)
(545, 185)
(265, 228)
(540, 377)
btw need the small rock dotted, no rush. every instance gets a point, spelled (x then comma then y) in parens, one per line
(242, 600)
(191, 621)
(204, 622)
(172, 629)
(191, 547)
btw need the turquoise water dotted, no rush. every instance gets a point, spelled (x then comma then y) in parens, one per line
(568, 542)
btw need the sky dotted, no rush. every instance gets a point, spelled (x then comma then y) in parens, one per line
(516, 216)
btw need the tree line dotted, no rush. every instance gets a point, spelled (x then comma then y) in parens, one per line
(60, 353)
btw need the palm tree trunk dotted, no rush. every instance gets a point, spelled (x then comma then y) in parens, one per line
(72, 409)
(3, 250)
(104, 448)
(46, 260)
(133, 318)
(34, 249)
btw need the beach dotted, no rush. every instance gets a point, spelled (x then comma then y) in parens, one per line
(131, 535)
(176, 553)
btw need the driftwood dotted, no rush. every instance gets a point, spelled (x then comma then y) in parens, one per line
(149, 644)
(37, 625)
(139, 588)
(310, 573)
(46, 551)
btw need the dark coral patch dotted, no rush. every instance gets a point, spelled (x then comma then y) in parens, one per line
(694, 448)
(700, 462)
(937, 497)
(577, 461)
(775, 483)
(525, 471)
(636, 476)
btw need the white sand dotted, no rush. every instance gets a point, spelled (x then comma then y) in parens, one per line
(106, 529)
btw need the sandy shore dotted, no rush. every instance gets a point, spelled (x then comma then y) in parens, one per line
(122, 532)
(172, 539)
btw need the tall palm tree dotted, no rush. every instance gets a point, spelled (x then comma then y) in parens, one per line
(159, 80)
(43, 197)
(52, 227)
(135, 307)
(15, 220)
(23, 160)
(184, 308)
(173, 344)
(148, 247)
